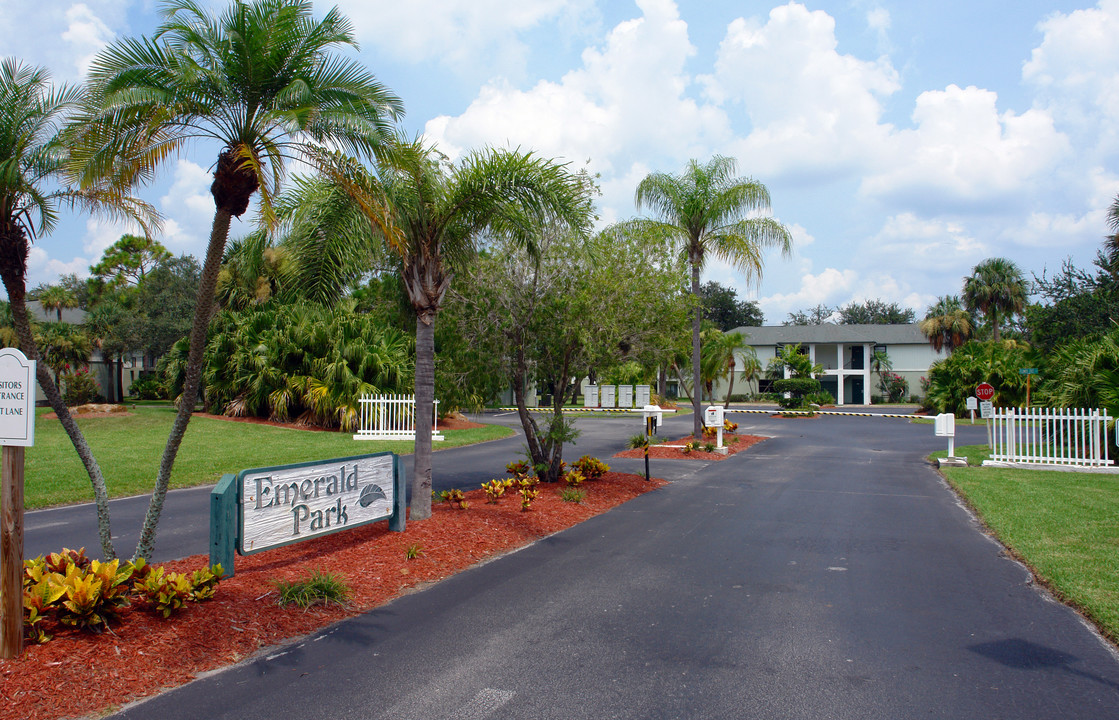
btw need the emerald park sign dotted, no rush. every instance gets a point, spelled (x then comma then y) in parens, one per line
(264, 508)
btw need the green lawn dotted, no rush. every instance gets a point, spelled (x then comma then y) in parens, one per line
(129, 448)
(1064, 525)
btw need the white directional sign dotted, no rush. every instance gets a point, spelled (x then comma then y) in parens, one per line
(17, 398)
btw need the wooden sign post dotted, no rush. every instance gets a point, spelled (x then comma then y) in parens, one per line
(17, 431)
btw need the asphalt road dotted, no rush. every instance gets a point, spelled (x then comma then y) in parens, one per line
(825, 573)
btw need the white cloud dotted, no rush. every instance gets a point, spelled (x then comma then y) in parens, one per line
(814, 112)
(626, 103)
(1075, 71)
(189, 209)
(963, 153)
(908, 244)
(42, 268)
(101, 233)
(464, 35)
(87, 34)
(61, 36)
(827, 287)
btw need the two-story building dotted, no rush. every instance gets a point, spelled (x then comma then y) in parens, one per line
(844, 351)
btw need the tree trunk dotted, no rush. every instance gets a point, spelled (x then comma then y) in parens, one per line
(697, 384)
(17, 298)
(202, 310)
(730, 387)
(420, 505)
(120, 379)
(995, 325)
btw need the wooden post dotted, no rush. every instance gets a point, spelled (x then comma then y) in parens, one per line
(11, 552)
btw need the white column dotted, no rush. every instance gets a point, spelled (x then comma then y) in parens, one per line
(868, 353)
(841, 377)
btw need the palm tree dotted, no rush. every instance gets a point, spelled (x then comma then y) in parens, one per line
(995, 287)
(1111, 241)
(720, 356)
(947, 325)
(35, 180)
(62, 346)
(711, 212)
(57, 298)
(260, 80)
(431, 214)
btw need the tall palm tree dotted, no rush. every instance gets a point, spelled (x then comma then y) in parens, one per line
(947, 325)
(261, 81)
(995, 287)
(712, 212)
(432, 213)
(35, 182)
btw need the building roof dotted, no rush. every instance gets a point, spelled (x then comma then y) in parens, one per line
(828, 333)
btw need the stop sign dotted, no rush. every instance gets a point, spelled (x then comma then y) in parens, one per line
(985, 391)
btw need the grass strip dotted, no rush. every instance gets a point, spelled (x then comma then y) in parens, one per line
(1063, 525)
(129, 446)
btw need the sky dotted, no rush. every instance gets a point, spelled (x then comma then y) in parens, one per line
(902, 143)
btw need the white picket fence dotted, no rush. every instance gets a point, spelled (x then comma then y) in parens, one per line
(392, 417)
(1050, 436)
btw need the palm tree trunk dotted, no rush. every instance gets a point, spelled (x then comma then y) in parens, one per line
(203, 309)
(730, 387)
(697, 384)
(419, 508)
(17, 298)
(995, 325)
(120, 379)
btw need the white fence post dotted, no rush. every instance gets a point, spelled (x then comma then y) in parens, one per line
(1050, 436)
(391, 417)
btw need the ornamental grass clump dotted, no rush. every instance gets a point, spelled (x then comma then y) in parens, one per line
(318, 588)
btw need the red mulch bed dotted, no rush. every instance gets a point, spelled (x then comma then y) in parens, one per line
(677, 451)
(79, 673)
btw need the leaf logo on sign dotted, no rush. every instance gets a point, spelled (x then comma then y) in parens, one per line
(370, 494)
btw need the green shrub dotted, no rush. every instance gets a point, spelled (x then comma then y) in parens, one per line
(528, 494)
(204, 582)
(454, 497)
(592, 468)
(68, 589)
(798, 389)
(413, 551)
(318, 588)
(954, 379)
(165, 592)
(147, 387)
(894, 387)
(823, 397)
(574, 478)
(495, 488)
(638, 441)
(79, 387)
